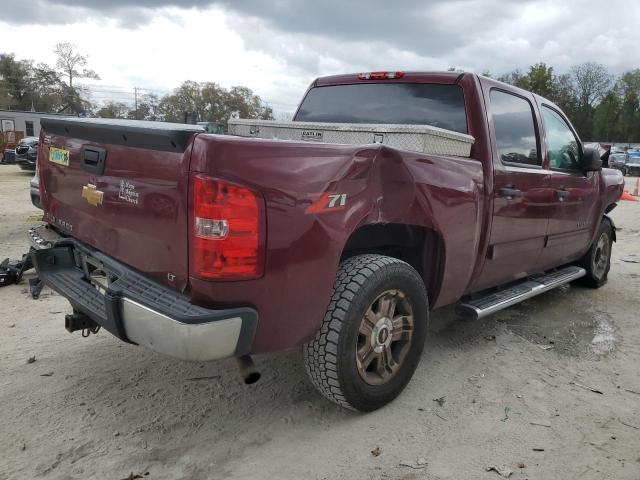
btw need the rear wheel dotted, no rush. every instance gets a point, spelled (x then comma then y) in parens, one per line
(373, 333)
(597, 261)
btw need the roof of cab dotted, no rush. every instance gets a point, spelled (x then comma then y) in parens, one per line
(447, 78)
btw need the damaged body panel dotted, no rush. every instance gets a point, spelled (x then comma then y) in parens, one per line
(382, 186)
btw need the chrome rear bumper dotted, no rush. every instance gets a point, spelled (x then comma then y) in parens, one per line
(135, 308)
(196, 342)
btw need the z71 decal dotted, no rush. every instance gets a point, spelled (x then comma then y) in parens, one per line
(328, 202)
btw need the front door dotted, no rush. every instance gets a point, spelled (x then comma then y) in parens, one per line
(522, 192)
(575, 211)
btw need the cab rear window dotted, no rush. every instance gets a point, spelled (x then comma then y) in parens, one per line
(387, 103)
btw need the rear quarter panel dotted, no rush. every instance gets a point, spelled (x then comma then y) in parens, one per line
(382, 185)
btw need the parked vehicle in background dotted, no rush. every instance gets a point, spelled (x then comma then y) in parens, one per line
(393, 194)
(27, 153)
(619, 162)
(633, 162)
(34, 189)
(212, 127)
(8, 156)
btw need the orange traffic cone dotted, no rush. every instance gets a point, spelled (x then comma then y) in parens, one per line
(627, 196)
(636, 188)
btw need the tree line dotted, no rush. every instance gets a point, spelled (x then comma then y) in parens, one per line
(25, 85)
(601, 106)
(205, 102)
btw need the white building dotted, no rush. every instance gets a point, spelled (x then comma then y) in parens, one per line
(26, 122)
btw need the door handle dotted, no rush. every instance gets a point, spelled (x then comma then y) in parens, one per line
(510, 192)
(562, 194)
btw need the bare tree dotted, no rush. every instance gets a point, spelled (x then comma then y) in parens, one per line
(70, 61)
(591, 82)
(71, 64)
(513, 78)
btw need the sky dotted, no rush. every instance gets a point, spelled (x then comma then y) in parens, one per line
(277, 47)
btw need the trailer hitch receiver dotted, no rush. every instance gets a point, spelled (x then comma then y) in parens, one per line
(79, 321)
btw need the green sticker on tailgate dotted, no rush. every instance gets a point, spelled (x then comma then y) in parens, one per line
(59, 156)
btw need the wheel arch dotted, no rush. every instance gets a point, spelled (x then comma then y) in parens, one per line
(421, 247)
(613, 225)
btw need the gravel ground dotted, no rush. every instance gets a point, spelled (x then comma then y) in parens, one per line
(511, 390)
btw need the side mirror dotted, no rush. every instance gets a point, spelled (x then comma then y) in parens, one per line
(590, 160)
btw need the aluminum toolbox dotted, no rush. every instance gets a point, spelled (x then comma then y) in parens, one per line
(417, 138)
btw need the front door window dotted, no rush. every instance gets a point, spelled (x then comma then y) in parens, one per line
(564, 152)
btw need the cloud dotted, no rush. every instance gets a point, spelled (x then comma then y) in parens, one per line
(478, 35)
(313, 36)
(436, 25)
(277, 47)
(54, 12)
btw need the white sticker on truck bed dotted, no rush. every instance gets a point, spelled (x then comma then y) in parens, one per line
(128, 192)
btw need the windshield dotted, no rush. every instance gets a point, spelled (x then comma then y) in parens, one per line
(390, 103)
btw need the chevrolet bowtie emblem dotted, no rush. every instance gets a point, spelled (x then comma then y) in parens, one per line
(91, 195)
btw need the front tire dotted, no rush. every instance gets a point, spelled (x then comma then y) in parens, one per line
(372, 335)
(597, 261)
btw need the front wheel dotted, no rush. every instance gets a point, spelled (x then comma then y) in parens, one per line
(597, 261)
(372, 335)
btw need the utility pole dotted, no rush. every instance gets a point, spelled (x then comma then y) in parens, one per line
(135, 99)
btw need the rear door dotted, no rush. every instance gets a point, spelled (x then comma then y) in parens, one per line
(575, 211)
(522, 194)
(121, 187)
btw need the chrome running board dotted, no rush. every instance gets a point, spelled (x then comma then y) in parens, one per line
(530, 287)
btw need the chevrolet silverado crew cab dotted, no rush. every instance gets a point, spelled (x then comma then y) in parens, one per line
(390, 194)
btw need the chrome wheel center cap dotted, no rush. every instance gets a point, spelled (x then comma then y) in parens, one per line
(381, 334)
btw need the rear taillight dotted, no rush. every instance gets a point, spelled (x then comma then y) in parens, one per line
(227, 230)
(380, 75)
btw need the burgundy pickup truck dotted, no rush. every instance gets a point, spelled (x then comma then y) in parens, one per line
(203, 246)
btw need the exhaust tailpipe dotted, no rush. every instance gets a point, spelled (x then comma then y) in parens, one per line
(248, 370)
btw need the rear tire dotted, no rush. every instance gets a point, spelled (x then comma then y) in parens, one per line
(597, 261)
(372, 335)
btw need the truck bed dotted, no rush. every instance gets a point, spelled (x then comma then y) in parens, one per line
(417, 138)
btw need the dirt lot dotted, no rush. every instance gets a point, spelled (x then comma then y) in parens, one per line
(511, 390)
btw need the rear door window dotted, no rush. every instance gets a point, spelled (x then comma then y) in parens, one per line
(391, 103)
(515, 131)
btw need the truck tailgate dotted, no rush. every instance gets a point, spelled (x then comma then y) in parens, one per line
(122, 187)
